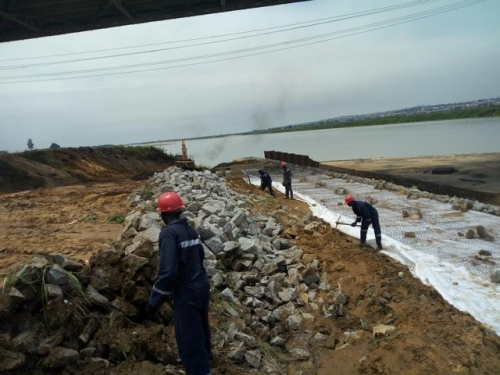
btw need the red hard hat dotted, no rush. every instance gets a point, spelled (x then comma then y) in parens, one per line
(170, 202)
(283, 164)
(348, 198)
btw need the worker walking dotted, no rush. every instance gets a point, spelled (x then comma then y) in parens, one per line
(266, 181)
(182, 280)
(287, 180)
(367, 214)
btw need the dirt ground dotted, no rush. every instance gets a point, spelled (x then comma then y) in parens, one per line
(472, 172)
(430, 337)
(71, 220)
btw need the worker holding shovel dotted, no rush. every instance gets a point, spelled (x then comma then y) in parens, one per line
(367, 214)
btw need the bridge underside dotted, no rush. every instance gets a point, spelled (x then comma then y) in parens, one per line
(26, 19)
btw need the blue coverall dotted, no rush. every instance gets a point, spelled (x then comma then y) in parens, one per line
(367, 214)
(181, 274)
(266, 182)
(287, 182)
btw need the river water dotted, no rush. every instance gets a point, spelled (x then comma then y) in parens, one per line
(464, 136)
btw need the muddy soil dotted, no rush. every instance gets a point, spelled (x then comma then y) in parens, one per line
(430, 337)
(73, 220)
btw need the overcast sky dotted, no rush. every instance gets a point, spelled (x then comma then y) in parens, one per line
(449, 57)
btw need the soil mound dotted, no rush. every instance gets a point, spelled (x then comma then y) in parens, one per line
(66, 166)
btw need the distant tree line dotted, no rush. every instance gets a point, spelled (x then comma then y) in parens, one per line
(31, 145)
(478, 112)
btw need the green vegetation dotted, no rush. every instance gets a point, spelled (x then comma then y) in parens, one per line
(117, 218)
(52, 156)
(24, 275)
(83, 164)
(42, 157)
(477, 112)
(13, 176)
(143, 152)
(146, 193)
(9, 171)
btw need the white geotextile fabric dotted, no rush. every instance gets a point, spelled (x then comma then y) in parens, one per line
(437, 254)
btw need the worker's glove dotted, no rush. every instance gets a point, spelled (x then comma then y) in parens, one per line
(354, 224)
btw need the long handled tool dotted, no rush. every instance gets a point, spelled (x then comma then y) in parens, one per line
(338, 222)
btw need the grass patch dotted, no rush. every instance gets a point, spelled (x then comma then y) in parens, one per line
(273, 358)
(42, 157)
(22, 275)
(117, 218)
(147, 193)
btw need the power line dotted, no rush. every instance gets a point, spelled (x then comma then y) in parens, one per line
(370, 27)
(303, 41)
(284, 28)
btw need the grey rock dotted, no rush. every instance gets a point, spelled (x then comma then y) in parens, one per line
(253, 358)
(215, 245)
(27, 341)
(236, 351)
(228, 295)
(53, 291)
(11, 360)
(87, 352)
(59, 357)
(310, 277)
(495, 277)
(300, 354)
(293, 322)
(49, 343)
(57, 275)
(150, 234)
(88, 331)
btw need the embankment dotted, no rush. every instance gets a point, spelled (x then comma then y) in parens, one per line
(66, 166)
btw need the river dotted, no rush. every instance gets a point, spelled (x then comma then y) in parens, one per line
(464, 136)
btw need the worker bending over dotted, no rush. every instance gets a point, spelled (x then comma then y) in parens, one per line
(367, 214)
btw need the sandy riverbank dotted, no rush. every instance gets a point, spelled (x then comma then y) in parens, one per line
(475, 176)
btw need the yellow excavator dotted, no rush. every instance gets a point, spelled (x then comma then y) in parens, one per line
(182, 160)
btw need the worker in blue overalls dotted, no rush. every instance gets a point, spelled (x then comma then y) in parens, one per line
(182, 281)
(266, 182)
(287, 180)
(367, 214)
